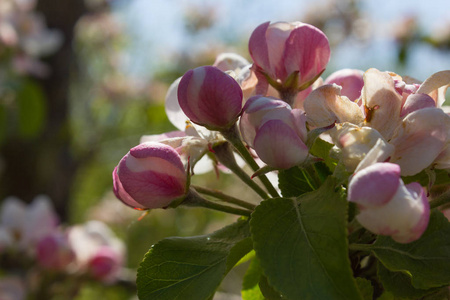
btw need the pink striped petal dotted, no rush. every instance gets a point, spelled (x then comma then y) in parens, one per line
(375, 185)
(415, 102)
(420, 139)
(307, 51)
(350, 80)
(279, 146)
(210, 98)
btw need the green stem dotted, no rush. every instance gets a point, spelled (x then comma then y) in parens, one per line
(360, 247)
(233, 136)
(194, 199)
(288, 96)
(440, 200)
(224, 197)
(225, 155)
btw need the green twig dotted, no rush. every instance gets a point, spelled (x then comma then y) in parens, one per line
(224, 197)
(360, 247)
(440, 200)
(194, 199)
(225, 156)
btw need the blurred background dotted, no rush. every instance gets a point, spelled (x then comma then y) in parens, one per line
(82, 81)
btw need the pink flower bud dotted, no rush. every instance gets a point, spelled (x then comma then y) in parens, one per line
(386, 205)
(281, 49)
(210, 97)
(275, 131)
(54, 251)
(255, 110)
(278, 145)
(350, 80)
(105, 264)
(150, 176)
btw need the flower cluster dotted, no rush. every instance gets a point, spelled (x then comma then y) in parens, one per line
(381, 125)
(380, 139)
(32, 239)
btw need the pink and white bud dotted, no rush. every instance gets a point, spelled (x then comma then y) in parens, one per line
(54, 252)
(281, 49)
(350, 80)
(105, 264)
(276, 132)
(240, 69)
(98, 251)
(151, 175)
(278, 145)
(255, 111)
(386, 205)
(210, 97)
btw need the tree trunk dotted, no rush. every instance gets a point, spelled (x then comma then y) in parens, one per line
(46, 165)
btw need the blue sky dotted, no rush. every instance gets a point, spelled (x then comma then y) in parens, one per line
(156, 28)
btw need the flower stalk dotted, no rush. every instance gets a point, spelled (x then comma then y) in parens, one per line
(232, 135)
(194, 199)
(224, 197)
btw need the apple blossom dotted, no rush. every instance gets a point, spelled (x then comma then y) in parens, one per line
(27, 224)
(415, 102)
(105, 263)
(54, 251)
(355, 142)
(325, 106)
(435, 86)
(151, 175)
(97, 250)
(289, 56)
(210, 97)
(422, 136)
(386, 205)
(382, 103)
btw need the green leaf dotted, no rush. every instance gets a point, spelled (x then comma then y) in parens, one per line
(268, 291)
(321, 149)
(442, 177)
(302, 245)
(192, 267)
(399, 284)
(32, 110)
(250, 287)
(295, 182)
(365, 288)
(322, 171)
(426, 261)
